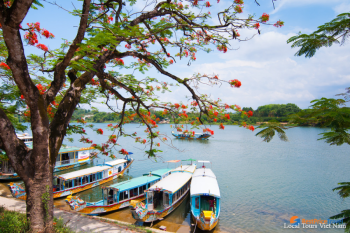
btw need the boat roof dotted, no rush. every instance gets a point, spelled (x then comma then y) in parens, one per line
(204, 182)
(115, 162)
(159, 172)
(86, 171)
(185, 168)
(135, 182)
(67, 149)
(172, 182)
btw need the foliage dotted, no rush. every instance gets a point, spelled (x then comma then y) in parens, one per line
(334, 32)
(276, 110)
(269, 131)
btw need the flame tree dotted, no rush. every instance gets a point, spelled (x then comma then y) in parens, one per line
(107, 34)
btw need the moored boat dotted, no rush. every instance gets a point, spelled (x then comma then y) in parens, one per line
(189, 136)
(67, 158)
(78, 181)
(205, 198)
(119, 195)
(165, 196)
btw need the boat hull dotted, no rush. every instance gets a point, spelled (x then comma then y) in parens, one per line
(190, 137)
(19, 192)
(205, 225)
(152, 216)
(82, 207)
(8, 177)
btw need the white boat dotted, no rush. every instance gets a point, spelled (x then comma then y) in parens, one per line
(165, 196)
(205, 198)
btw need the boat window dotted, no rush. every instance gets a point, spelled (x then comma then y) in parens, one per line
(65, 158)
(68, 184)
(166, 200)
(77, 182)
(119, 169)
(126, 194)
(85, 179)
(91, 178)
(76, 155)
(142, 189)
(121, 196)
(105, 193)
(58, 158)
(110, 196)
(196, 200)
(71, 155)
(135, 192)
(150, 197)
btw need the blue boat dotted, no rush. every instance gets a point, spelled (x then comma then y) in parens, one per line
(120, 195)
(188, 136)
(205, 198)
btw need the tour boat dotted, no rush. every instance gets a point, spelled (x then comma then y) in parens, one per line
(120, 195)
(67, 158)
(189, 136)
(78, 181)
(165, 196)
(205, 198)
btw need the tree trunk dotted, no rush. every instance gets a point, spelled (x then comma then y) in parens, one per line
(40, 200)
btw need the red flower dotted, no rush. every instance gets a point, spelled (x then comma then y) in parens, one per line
(265, 17)
(100, 131)
(158, 144)
(222, 126)
(22, 97)
(207, 4)
(227, 106)
(251, 128)
(216, 113)
(4, 66)
(144, 141)
(124, 152)
(183, 106)
(171, 61)
(177, 105)
(227, 116)
(42, 47)
(195, 2)
(109, 125)
(238, 2)
(257, 26)
(279, 24)
(238, 9)
(93, 145)
(119, 61)
(215, 120)
(235, 83)
(250, 113)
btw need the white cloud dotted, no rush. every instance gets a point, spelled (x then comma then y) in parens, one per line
(298, 3)
(344, 7)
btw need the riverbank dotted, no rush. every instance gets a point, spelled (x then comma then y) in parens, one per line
(78, 222)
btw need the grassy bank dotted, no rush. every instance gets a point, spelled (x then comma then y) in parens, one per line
(15, 222)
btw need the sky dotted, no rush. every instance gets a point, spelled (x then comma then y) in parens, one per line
(266, 65)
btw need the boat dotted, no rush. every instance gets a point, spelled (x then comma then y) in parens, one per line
(78, 181)
(189, 136)
(205, 198)
(119, 195)
(67, 158)
(165, 196)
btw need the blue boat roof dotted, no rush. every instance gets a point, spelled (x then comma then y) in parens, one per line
(159, 172)
(133, 183)
(138, 181)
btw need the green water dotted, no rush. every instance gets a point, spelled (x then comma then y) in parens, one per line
(262, 184)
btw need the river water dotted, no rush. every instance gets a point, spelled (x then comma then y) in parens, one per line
(262, 184)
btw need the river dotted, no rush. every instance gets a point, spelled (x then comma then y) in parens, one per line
(262, 184)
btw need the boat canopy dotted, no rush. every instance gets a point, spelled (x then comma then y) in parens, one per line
(203, 161)
(159, 172)
(83, 172)
(173, 161)
(185, 168)
(172, 183)
(115, 162)
(67, 149)
(133, 183)
(204, 183)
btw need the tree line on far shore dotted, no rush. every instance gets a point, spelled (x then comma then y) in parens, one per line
(270, 112)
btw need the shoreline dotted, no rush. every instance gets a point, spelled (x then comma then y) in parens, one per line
(79, 222)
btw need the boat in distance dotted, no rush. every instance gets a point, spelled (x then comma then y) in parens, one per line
(78, 181)
(165, 196)
(205, 198)
(189, 136)
(119, 195)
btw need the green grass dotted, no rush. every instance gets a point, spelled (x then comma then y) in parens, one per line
(14, 222)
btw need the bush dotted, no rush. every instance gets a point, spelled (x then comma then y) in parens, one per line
(14, 222)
